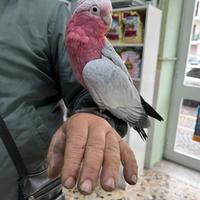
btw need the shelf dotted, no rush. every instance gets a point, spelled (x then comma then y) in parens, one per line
(130, 8)
(136, 79)
(197, 18)
(127, 3)
(133, 1)
(127, 45)
(195, 42)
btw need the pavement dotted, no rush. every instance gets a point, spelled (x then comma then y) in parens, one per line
(185, 132)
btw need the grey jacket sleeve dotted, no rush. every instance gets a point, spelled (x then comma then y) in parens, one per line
(76, 98)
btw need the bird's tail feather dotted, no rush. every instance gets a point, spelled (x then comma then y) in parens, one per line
(141, 132)
(150, 111)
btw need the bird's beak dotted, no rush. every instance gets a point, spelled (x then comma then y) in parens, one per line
(108, 20)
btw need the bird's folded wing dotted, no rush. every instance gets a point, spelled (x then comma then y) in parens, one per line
(109, 52)
(111, 90)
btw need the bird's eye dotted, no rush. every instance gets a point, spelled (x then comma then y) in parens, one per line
(95, 11)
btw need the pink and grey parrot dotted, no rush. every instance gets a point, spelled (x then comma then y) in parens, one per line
(100, 69)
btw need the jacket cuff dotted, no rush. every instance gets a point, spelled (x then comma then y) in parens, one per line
(85, 104)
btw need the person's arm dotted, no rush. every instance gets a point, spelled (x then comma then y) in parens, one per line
(76, 98)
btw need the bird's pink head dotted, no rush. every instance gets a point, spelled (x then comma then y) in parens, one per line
(86, 31)
(99, 9)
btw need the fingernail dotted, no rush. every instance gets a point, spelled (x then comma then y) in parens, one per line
(134, 179)
(86, 186)
(69, 183)
(110, 183)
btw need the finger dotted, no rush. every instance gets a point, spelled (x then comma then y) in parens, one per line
(111, 162)
(77, 132)
(93, 160)
(129, 162)
(56, 154)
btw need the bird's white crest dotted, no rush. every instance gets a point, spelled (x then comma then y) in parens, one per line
(86, 4)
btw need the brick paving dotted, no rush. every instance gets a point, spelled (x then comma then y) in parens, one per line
(185, 132)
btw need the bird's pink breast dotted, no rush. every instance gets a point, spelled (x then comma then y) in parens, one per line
(84, 43)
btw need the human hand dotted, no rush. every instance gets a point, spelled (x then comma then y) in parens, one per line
(86, 146)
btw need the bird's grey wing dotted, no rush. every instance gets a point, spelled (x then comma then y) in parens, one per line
(111, 90)
(109, 52)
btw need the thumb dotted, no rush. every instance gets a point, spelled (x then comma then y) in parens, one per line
(56, 153)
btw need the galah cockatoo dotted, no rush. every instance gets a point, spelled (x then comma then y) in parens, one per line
(100, 69)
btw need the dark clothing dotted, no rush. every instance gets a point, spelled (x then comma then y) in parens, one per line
(34, 76)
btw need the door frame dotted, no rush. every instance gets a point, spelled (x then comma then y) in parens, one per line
(179, 90)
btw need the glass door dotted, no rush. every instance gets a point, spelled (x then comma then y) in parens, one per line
(183, 135)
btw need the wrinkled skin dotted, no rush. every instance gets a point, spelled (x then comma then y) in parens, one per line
(86, 149)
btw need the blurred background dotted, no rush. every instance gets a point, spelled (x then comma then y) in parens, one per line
(159, 41)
